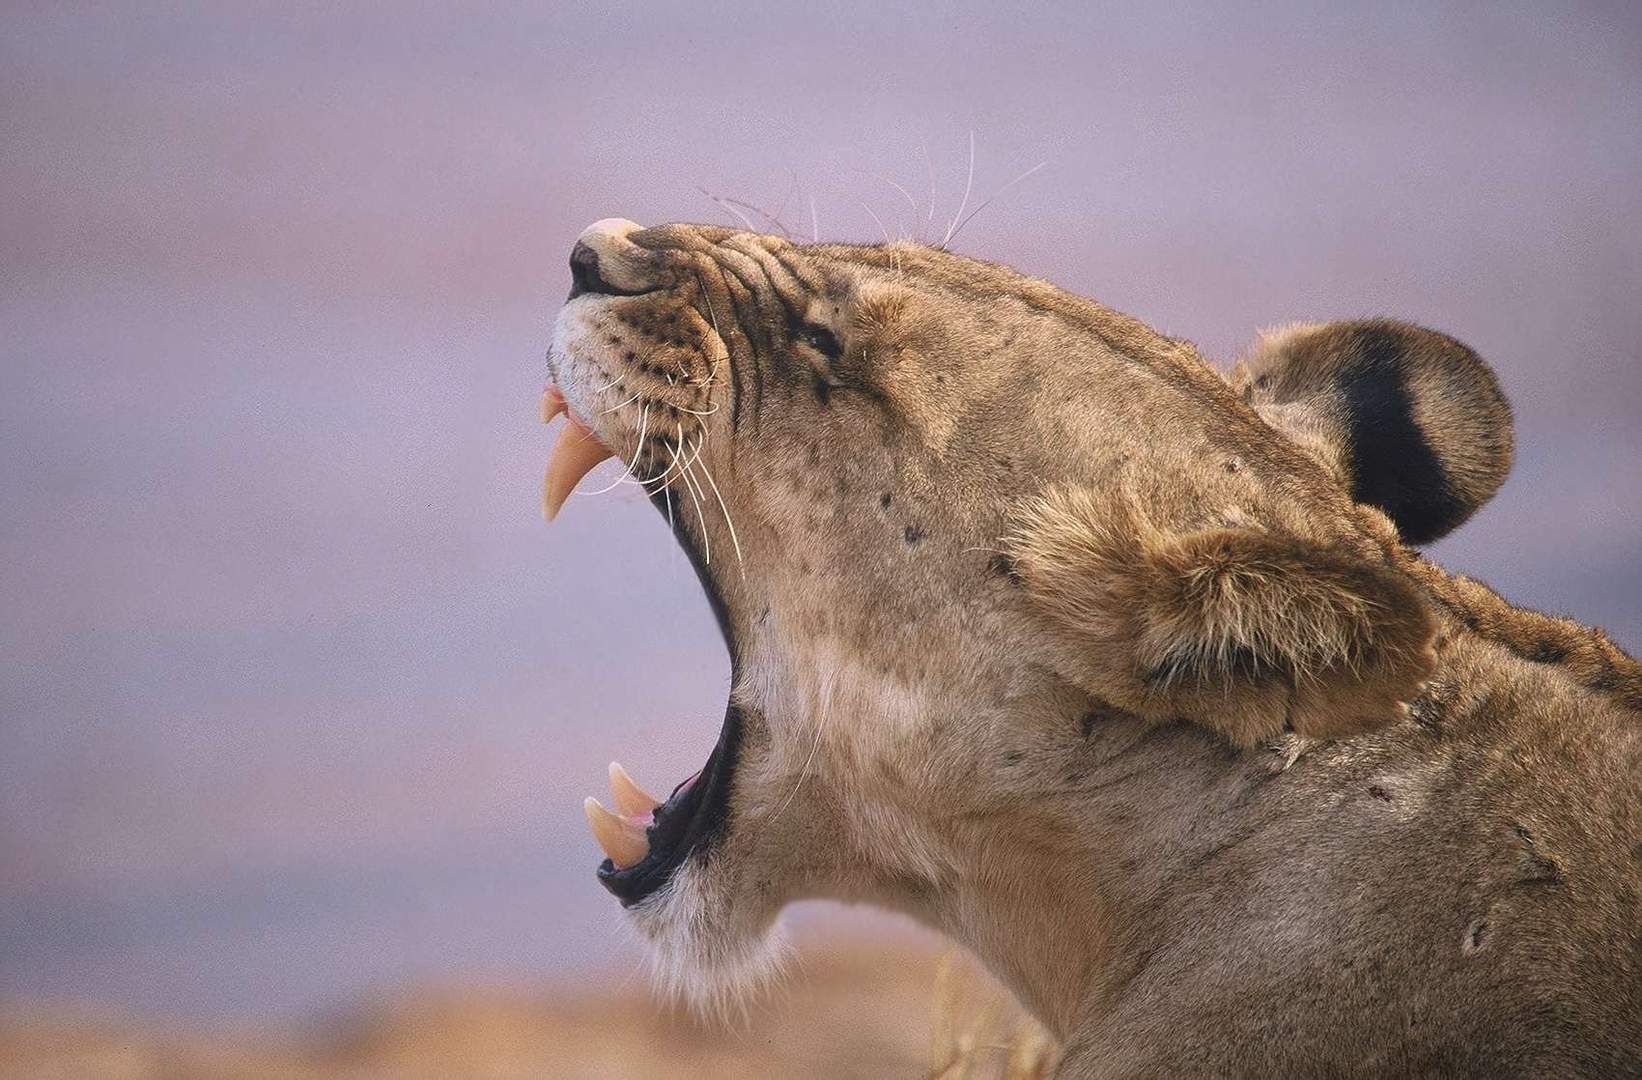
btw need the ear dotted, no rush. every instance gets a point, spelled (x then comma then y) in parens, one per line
(1411, 420)
(1244, 631)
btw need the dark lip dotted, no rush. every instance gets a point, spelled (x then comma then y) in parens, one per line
(695, 815)
(688, 821)
(610, 292)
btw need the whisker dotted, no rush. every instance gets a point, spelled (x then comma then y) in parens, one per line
(880, 221)
(712, 317)
(706, 541)
(697, 412)
(929, 163)
(675, 452)
(765, 214)
(666, 496)
(661, 477)
(724, 205)
(994, 195)
(681, 456)
(627, 473)
(667, 489)
(820, 730)
(734, 541)
(905, 194)
(815, 222)
(701, 448)
(792, 189)
(968, 183)
(621, 405)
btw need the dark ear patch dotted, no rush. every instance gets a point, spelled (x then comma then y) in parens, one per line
(1242, 630)
(1393, 465)
(1412, 420)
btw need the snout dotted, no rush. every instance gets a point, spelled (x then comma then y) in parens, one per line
(605, 262)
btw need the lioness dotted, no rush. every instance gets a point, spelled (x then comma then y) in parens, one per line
(1118, 671)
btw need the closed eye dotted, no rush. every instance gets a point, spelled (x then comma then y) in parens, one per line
(823, 341)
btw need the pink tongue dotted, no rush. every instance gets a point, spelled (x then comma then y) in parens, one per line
(625, 834)
(682, 788)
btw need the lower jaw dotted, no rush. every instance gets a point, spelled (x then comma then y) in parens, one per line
(686, 825)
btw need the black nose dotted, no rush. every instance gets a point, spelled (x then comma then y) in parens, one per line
(584, 272)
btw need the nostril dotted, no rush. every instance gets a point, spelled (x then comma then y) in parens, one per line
(584, 272)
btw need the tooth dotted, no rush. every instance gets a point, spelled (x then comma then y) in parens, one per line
(621, 838)
(574, 455)
(552, 403)
(630, 799)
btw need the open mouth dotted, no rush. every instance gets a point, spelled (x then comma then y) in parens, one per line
(645, 839)
(643, 845)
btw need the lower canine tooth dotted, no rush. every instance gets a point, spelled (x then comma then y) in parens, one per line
(630, 799)
(621, 838)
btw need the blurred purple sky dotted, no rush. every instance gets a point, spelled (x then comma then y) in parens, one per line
(300, 696)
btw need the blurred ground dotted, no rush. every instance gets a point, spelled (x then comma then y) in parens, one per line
(855, 1012)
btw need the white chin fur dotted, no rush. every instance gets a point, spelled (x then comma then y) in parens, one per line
(702, 951)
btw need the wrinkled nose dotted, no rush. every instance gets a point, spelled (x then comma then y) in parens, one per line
(602, 260)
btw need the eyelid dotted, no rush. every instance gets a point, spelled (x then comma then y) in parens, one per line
(824, 341)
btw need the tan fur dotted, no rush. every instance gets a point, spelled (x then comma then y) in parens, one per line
(1247, 632)
(1295, 379)
(1049, 636)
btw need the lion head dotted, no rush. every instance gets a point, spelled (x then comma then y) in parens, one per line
(950, 519)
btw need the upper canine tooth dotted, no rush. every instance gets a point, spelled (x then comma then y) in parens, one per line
(553, 403)
(630, 799)
(574, 455)
(621, 838)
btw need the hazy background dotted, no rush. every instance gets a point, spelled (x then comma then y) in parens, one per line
(299, 696)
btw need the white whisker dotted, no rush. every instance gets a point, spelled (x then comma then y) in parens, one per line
(667, 496)
(627, 473)
(680, 449)
(706, 541)
(620, 405)
(723, 205)
(734, 541)
(815, 222)
(691, 458)
(682, 461)
(929, 163)
(905, 194)
(681, 457)
(968, 184)
(765, 214)
(880, 221)
(820, 730)
(792, 189)
(712, 316)
(994, 195)
(911, 203)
